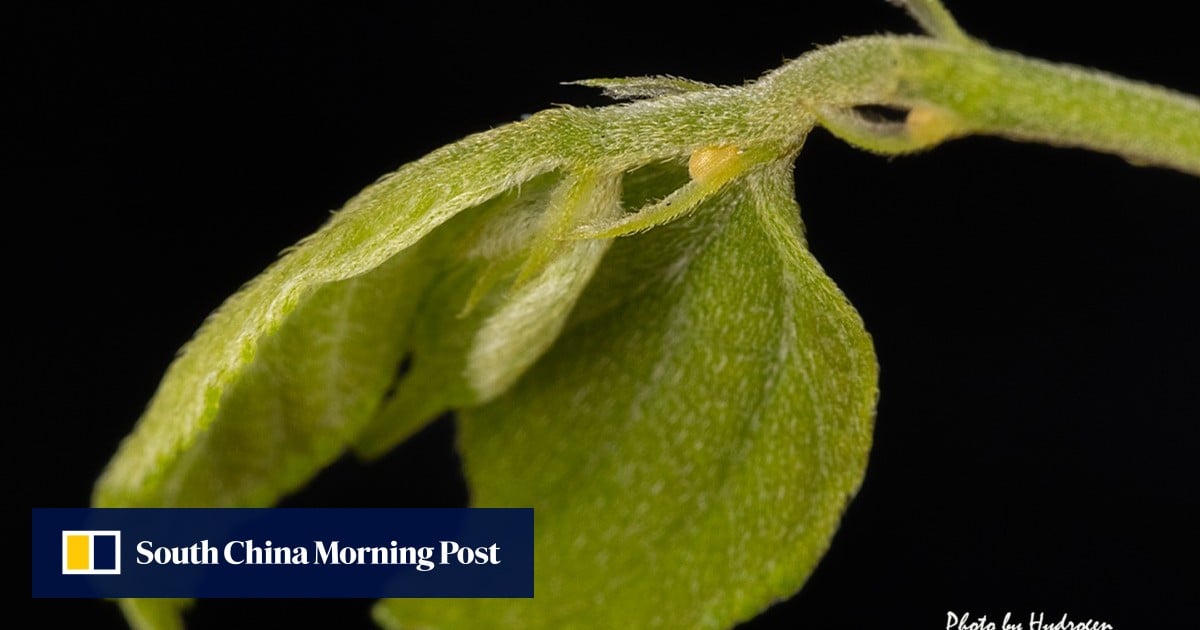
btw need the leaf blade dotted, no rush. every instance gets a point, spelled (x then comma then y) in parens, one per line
(528, 291)
(382, 221)
(642, 469)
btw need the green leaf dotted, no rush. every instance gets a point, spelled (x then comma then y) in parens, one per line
(290, 368)
(280, 380)
(695, 434)
(499, 299)
(154, 614)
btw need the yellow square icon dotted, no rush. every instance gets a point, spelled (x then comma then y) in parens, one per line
(78, 553)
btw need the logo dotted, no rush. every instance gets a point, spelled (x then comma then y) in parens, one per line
(282, 553)
(91, 552)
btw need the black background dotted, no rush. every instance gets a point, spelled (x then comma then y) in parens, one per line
(1032, 307)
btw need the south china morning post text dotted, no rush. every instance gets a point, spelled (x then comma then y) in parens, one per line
(283, 552)
(333, 552)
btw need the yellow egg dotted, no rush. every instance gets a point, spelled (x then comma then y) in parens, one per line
(928, 125)
(709, 162)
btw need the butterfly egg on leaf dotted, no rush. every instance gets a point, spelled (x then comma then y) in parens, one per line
(928, 125)
(710, 169)
(714, 163)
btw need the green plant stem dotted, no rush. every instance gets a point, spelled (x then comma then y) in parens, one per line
(986, 91)
(935, 19)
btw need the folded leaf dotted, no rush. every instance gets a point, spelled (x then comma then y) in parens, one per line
(694, 434)
(518, 282)
(293, 326)
(282, 377)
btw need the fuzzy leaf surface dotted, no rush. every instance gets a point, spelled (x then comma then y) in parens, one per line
(695, 433)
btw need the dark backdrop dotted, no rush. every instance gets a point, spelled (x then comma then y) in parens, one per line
(1032, 307)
